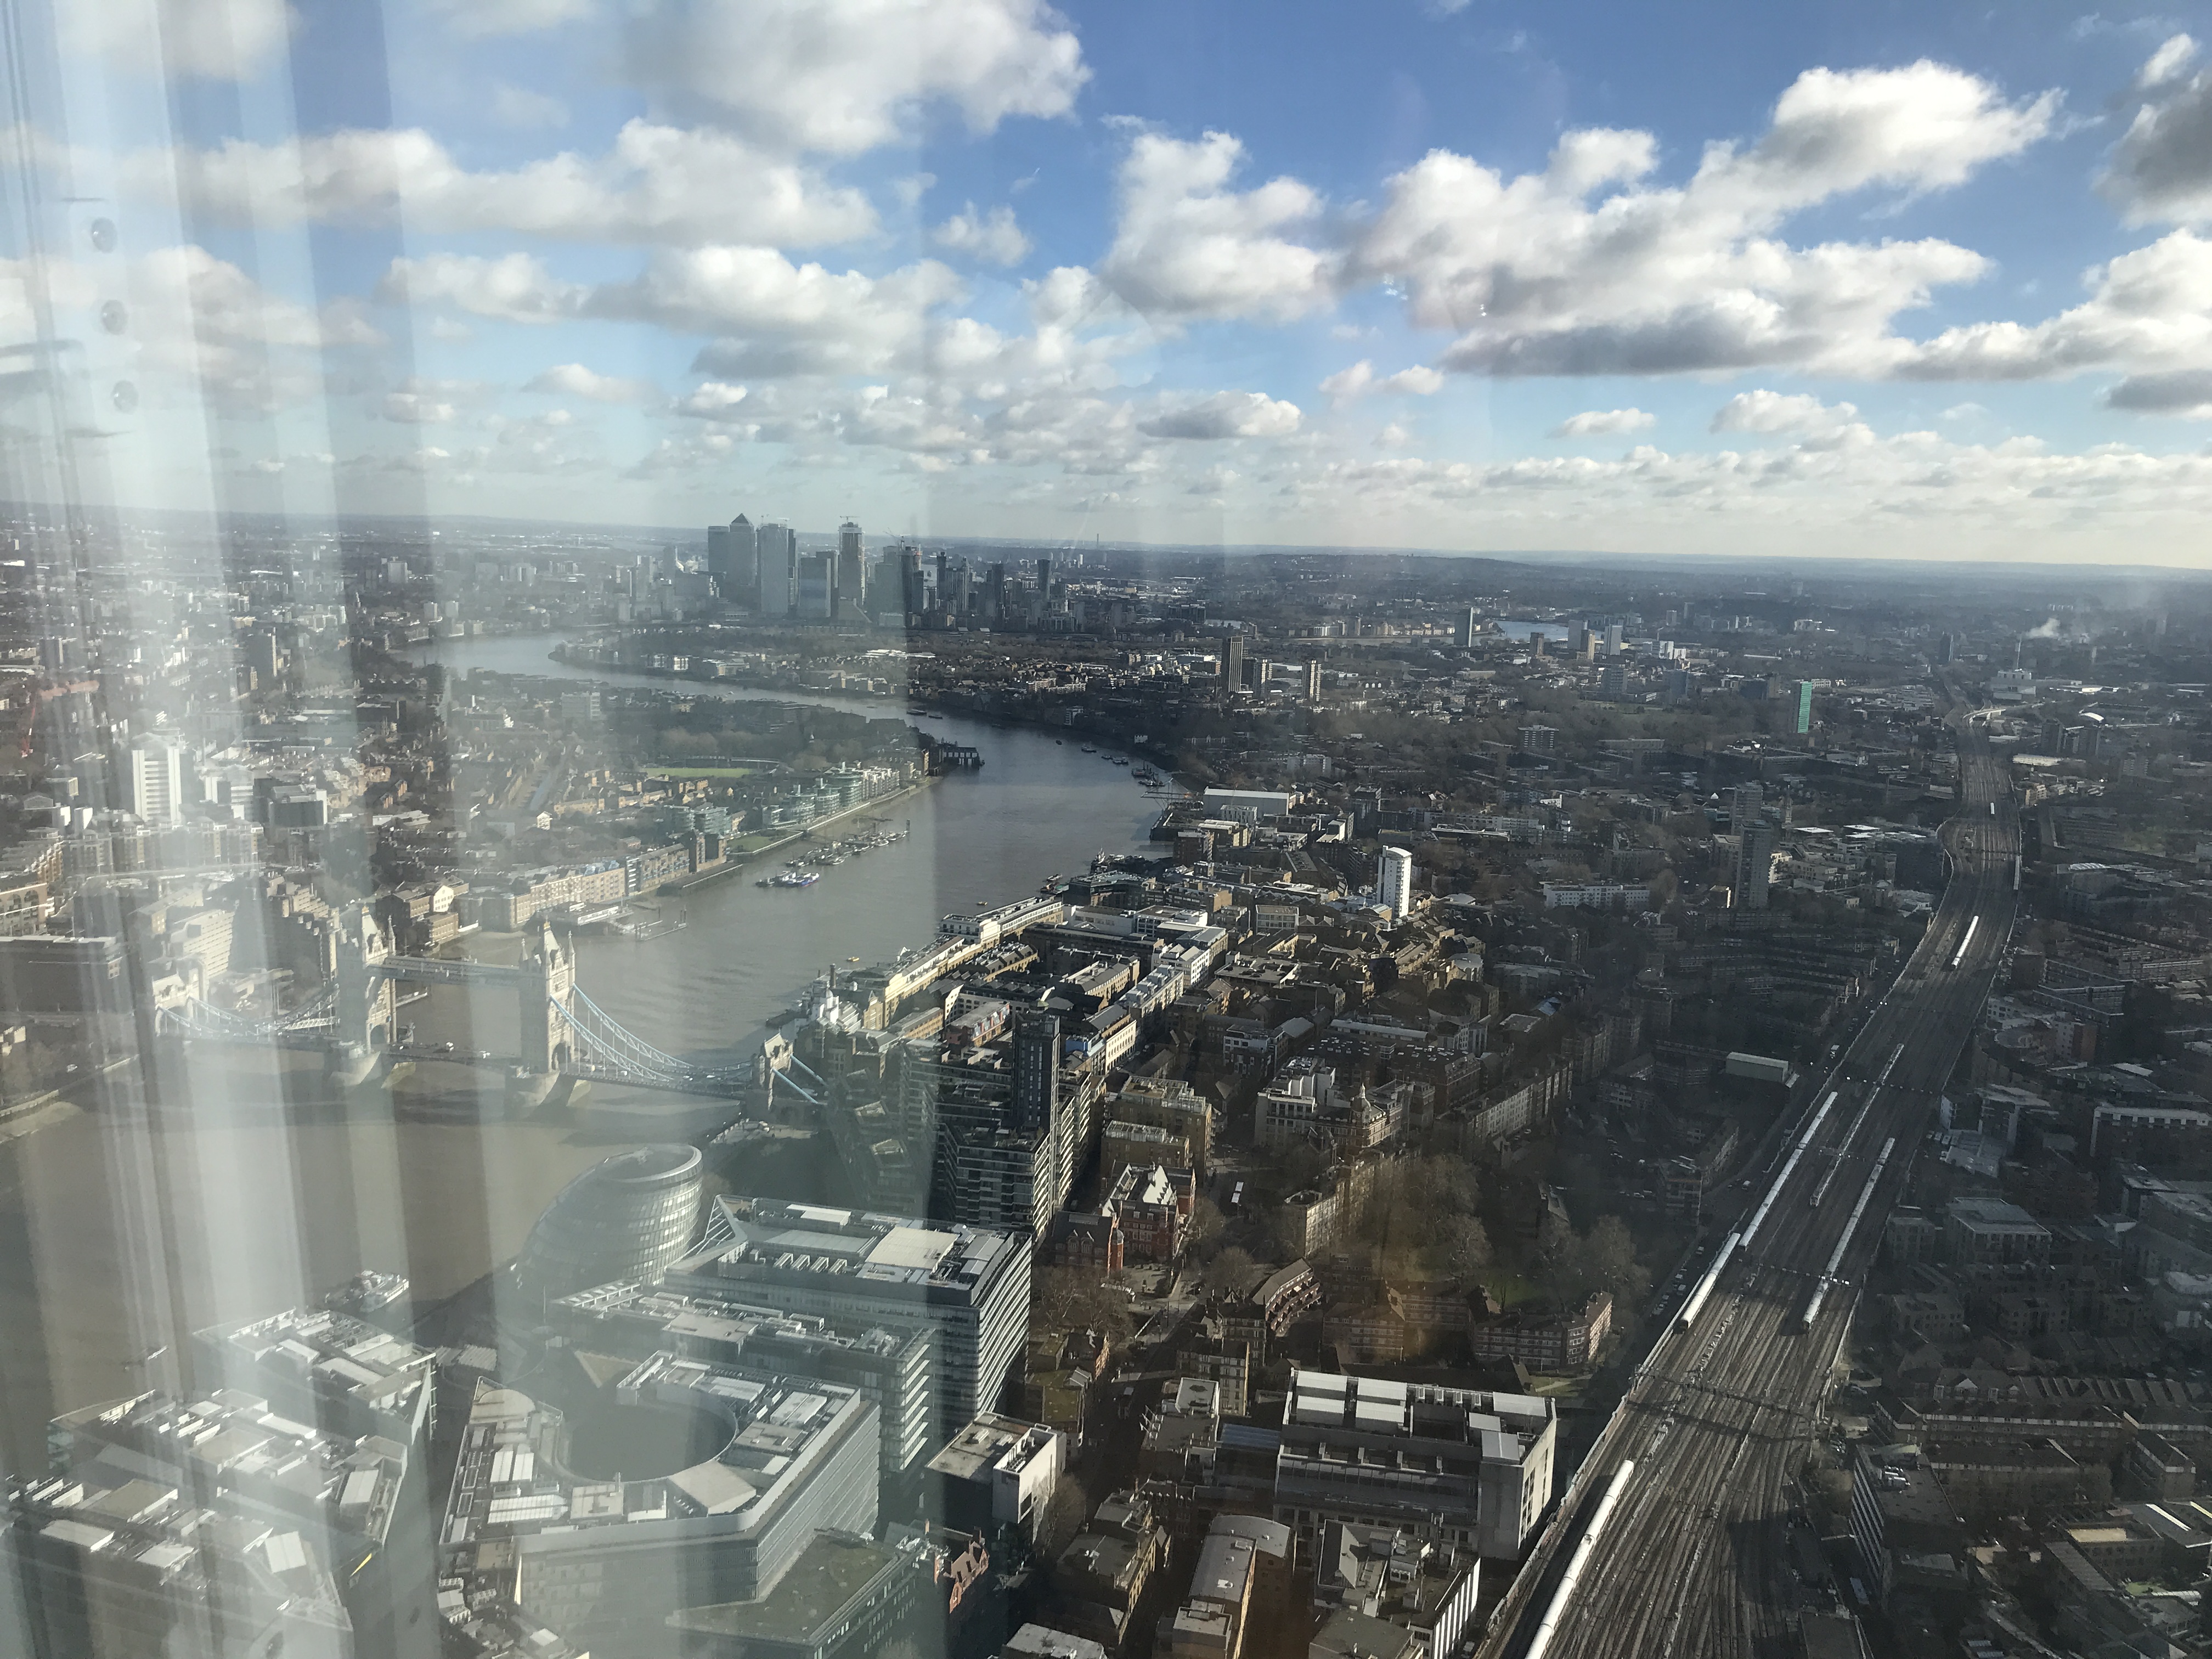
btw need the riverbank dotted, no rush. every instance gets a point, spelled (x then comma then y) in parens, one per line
(752, 855)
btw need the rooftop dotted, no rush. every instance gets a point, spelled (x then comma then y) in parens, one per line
(762, 1239)
(834, 1571)
(992, 1444)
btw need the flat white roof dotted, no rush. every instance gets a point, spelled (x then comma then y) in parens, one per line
(912, 1247)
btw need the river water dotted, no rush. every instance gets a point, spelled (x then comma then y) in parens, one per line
(123, 1230)
(1036, 808)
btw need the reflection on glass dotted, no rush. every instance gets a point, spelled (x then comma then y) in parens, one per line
(835, 828)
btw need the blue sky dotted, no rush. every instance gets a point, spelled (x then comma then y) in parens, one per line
(1728, 277)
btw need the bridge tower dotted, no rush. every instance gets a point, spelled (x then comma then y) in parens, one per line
(367, 1000)
(549, 977)
(364, 1013)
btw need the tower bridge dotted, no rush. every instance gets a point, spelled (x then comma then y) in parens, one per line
(564, 1032)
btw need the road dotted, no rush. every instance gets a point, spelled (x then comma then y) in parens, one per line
(1694, 1558)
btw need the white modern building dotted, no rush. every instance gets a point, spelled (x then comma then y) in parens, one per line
(1008, 1468)
(1394, 881)
(155, 783)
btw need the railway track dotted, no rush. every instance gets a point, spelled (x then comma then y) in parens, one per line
(1693, 1559)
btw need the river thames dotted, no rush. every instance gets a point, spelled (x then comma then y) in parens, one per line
(122, 1229)
(1035, 809)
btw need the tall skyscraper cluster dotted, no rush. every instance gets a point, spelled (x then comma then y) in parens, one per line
(760, 565)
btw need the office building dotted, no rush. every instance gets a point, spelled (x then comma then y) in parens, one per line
(1907, 1532)
(1746, 806)
(1394, 881)
(1448, 1466)
(1755, 864)
(1981, 1231)
(1232, 663)
(733, 558)
(1613, 640)
(1946, 649)
(845, 1597)
(321, 1366)
(154, 785)
(778, 561)
(969, 1286)
(112, 1564)
(892, 1365)
(1468, 626)
(627, 1218)
(914, 581)
(611, 1556)
(814, 593)
(354, 1502)
(1036, 1069)
(1804, 725)
(852, 581)
(999, 1472)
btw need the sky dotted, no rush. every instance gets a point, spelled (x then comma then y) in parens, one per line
(1888, 280)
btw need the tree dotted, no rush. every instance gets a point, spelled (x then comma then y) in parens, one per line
(1230, 1269)
(1465, 1250)
(1611, 1263)
(1073, 1298)
(1203, 1237)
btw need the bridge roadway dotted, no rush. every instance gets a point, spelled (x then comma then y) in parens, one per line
(1694, 1558)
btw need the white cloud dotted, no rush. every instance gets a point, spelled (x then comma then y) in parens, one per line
(419, 400)
(1604, 423)
(181, 39)
(2151, 308)
(2161, 168)
(1360, 380)
(574, 381)
(1774, 411)
(514, 287)
(1187, 245)
(659, 184)
(842, 76)
(213, 332)
(415, 409)
(992, 237)
(714, 400)
(1914, 493)
(775, 318)
(523, 110)
(1226, 415)
(475, 19)
(1587, 268)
